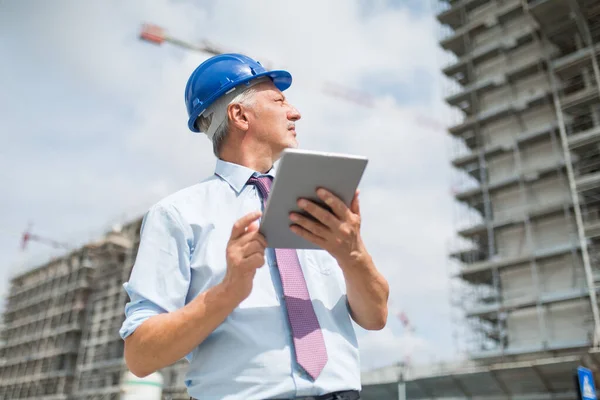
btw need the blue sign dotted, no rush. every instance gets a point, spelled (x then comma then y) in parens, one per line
(587, 389)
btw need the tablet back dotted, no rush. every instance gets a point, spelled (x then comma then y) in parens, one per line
(299, 174)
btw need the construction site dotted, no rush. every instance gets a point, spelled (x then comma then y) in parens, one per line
(62, 319)
(529, 161)
(527, 157)
(525, 266)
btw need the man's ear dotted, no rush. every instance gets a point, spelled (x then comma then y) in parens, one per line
(237, 116)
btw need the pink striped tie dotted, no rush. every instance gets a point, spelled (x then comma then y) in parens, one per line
(309, 344)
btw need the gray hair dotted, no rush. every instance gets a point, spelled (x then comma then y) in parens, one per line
(246, 98)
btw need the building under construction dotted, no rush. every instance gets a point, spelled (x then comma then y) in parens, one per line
(61, 326)
(525, 85)
(529, 162)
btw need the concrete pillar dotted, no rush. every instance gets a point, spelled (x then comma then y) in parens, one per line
(595, 111)
(401, 391)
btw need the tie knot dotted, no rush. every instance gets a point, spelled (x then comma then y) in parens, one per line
(263, 184)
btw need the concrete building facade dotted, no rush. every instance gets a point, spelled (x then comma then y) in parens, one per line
(528, 156)
(524, 83)
(61, 326)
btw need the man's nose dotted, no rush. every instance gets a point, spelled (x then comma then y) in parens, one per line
(294, 114)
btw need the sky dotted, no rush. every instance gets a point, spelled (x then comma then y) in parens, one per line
(93, 129)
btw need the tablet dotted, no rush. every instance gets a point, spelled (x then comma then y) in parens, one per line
(299, 174)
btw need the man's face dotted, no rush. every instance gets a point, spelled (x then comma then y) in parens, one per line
(273, 120)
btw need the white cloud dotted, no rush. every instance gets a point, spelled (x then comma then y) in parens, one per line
(97, 123)
(383, 348)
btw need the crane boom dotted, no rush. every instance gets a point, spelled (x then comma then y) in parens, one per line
(157, 35)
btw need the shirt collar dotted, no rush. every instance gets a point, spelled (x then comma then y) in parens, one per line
(237, 175)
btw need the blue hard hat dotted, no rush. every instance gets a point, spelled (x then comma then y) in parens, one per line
(218, 75)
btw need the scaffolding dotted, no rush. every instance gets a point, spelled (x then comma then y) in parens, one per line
(100, 355)
(43, 322)
(62, 320)
(527, 173)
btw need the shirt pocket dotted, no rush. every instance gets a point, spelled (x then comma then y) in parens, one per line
(320, 264)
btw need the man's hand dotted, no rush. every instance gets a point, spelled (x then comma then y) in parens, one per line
(338, 231)
(165, 338)
(245, 254)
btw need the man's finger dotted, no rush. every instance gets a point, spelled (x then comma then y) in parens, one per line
(319, 241)
(253, 227)
(355, 205)
(239, 228)
(337, 206)
(257, 236)
(322, 215)
(315, 228)
(252, 236)
(255, 261)
(253, 247)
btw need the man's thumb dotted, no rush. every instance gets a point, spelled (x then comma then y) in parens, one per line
(355, 205)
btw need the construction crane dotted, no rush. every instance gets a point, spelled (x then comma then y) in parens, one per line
(405, 321)
(158, 35)
(408, 330)
(28, 236)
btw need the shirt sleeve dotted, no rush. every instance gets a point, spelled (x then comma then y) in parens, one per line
(160, 277)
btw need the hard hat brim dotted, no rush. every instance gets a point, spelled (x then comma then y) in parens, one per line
(281, 79)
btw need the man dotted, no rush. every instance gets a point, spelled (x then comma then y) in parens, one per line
(254, 322)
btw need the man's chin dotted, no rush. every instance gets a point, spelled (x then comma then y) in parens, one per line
(291, 145)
